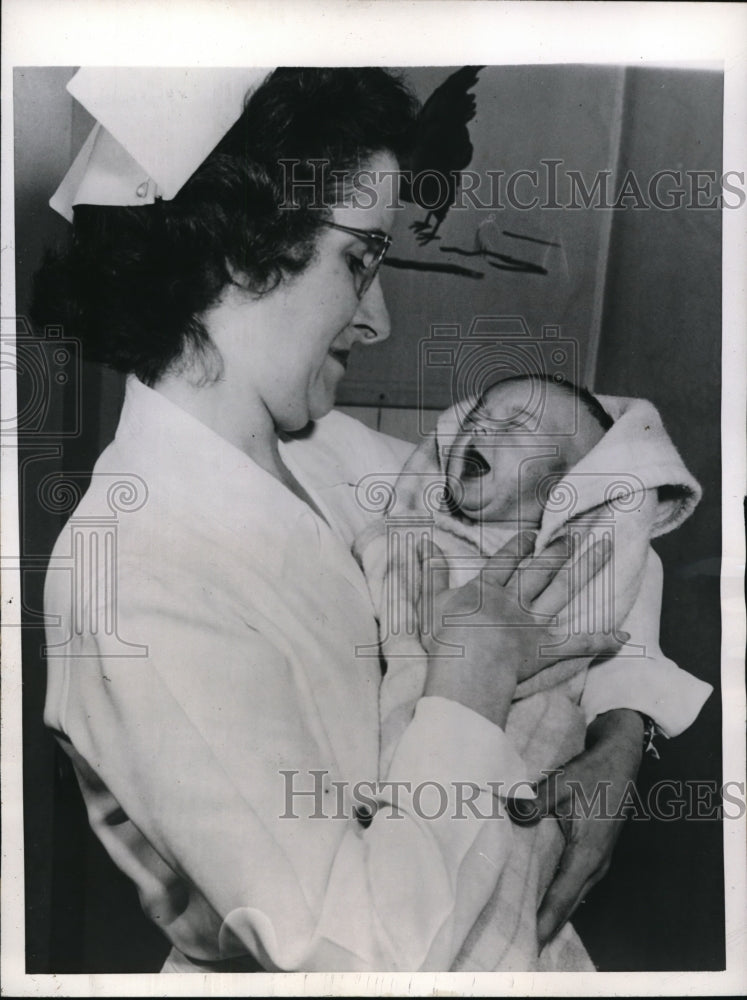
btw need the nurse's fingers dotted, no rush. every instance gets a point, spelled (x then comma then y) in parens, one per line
(582, 573)
(499, 568)
(532, 574)
(570, 885)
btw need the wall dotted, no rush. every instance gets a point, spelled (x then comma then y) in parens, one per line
(575, 116)
(662, 340)
(79, 909)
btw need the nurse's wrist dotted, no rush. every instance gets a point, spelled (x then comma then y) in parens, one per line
(489, 693)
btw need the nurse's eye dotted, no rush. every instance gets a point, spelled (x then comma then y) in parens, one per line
(356, 265)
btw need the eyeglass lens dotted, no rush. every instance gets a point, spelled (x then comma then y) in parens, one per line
(372, 258)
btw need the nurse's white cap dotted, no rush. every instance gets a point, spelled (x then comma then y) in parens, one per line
(154, 128)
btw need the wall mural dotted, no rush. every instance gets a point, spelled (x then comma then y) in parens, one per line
(442, 150)
(481, 233)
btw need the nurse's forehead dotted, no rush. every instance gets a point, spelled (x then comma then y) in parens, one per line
(369, 198)
(376, 218)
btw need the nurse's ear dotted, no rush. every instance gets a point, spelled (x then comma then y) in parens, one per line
(236, 275)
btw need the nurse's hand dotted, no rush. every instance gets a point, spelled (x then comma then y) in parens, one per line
(614, 747)
(484, 637)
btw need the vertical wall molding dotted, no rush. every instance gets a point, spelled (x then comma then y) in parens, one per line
(600, 282)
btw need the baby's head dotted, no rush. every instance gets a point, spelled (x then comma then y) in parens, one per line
(524, 434)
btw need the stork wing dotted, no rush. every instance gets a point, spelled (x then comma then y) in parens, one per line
(442, 143)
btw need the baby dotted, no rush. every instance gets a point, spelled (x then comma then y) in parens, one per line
(534, 453)
(521, 431)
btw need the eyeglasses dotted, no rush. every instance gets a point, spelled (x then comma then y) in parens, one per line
(371, 262)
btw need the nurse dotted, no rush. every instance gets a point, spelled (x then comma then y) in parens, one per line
(214, 675)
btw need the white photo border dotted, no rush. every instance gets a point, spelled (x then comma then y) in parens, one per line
(392, 33)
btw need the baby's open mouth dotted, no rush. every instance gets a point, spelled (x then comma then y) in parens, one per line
(475, 464)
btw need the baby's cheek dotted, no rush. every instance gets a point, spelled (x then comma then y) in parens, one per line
(469, 492)
(488, 494)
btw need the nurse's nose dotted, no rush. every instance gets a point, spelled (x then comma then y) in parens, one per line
(371, 321)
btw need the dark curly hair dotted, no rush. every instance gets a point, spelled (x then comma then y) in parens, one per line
(135, 281)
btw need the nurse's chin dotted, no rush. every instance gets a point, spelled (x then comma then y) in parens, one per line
(320, 408)
(302, 420)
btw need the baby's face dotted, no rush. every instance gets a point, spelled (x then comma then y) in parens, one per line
(523, 436)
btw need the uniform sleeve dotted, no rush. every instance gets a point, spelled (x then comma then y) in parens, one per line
(195, 741)
(640, 676)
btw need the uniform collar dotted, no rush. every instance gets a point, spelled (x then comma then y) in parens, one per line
(196, 469)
